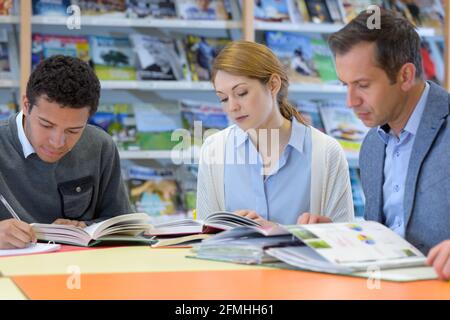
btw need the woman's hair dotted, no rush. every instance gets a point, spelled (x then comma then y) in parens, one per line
(256, 61)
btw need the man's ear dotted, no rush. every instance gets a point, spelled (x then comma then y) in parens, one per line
(407, 76)
(25, 105)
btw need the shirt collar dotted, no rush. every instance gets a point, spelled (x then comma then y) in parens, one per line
(296, 140)
(414, 120)
(27, 148)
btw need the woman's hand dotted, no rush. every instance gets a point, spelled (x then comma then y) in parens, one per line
(252, 215)
(309, 218)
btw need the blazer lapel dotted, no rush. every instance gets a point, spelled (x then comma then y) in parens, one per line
(373, 165)
(378, 163)
(436, 109)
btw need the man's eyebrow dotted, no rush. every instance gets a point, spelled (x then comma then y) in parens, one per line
(49, 122)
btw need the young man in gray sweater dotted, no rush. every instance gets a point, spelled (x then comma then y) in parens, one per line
(54, 168)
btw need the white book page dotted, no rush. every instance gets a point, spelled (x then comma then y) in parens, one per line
(96, 230)
(33, 248)
(364, 241)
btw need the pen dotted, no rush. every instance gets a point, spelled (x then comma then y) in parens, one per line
(10, 209)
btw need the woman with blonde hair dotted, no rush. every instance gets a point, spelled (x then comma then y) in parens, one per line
(270, 165)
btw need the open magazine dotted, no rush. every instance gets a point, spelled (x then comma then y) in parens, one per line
(245, 245)
(215, 222)
(350, 248)
(124, 228)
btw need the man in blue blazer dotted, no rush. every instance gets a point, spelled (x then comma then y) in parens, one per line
(405, 158)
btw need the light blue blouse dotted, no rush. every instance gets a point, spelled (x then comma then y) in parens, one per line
(285, 194)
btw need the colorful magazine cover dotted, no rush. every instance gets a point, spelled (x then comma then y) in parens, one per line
(151, 8)
(309, 109)
(429, 14)
(324, 60)
(119, 121)
(159, 58)
(353, 7)
(318, 11)
(45, 46)
(341, 123)
(357, 192)
(50, 7)
(296, 53)
(6, 7)
(153, 191)
(5, 63)
(271, 10)
(336, 10)
(7, 110)
(201, 52)
(104, 8)
(429, 66)
(204, 9)
(155, 123)
(113, 58)
(196, 115)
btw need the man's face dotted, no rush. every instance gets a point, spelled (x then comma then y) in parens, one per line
(51, 129)
(370, 93)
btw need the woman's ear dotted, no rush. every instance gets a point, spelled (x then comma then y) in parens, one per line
(274, 84)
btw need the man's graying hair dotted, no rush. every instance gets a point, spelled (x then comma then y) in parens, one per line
(396, 42)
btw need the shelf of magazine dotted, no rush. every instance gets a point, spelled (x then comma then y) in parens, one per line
(144, 23)
(188, 156)
(158, 155)
(9, 83)
(318, 27)
(317, 88)
(207, 86)
(9, 19)
(157, 85)
(194, 24)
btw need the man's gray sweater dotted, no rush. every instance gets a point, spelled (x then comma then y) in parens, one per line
(85, 185)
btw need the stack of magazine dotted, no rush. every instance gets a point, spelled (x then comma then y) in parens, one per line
(245, 245)
(355, 249)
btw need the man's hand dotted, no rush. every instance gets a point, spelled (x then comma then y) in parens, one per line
(252, 215)
(75, 223)
(309, 218)
(439, 258)
(15, 234)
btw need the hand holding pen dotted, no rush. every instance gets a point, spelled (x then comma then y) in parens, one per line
(14, 233)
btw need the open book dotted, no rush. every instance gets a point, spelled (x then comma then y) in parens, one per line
(214, 223)
(360, 249)
(123, 228)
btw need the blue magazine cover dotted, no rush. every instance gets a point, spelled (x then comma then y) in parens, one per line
(296, 53)
(271, 10)
(50, 7)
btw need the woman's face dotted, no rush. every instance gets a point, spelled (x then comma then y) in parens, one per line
(248, 102)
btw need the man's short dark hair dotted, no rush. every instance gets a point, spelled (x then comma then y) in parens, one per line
(396, 42)
(65, 80)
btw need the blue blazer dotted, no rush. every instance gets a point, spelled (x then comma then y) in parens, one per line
(427, 188)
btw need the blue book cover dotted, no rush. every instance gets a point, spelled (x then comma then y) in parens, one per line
(50, 7)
